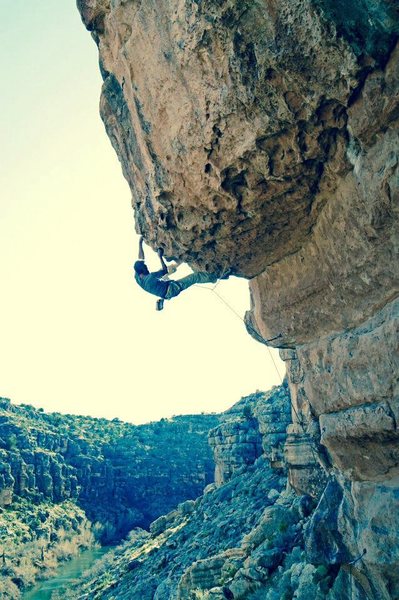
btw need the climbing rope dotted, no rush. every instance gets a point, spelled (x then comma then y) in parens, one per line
(256, 333)
(248, 325)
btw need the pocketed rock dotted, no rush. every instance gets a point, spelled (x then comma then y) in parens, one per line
(263, 138)
(230, 119)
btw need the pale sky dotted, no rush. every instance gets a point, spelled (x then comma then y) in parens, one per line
(77, 333)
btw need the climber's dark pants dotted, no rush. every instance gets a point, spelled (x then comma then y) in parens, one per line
(175, 287)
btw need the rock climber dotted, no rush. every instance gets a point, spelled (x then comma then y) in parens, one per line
(156, 285)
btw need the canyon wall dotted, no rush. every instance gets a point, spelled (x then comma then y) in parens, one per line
(230, 539)
(122, 475)
(261, 138)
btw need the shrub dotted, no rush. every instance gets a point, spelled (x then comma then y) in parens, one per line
(8, 589)
(12, 442)
(247, 412)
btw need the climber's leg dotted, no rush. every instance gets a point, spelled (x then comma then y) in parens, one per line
(175, 287)
(197, 277)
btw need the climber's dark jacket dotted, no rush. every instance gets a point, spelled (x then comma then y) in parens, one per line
(153, 284)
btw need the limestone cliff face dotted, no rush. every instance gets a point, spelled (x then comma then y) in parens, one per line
(262, 137)
(232, 119)
(252, 427)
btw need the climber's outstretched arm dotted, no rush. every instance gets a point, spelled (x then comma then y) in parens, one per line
(141, 250)
(163, 263)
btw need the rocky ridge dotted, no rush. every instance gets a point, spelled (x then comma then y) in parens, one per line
(262, 138)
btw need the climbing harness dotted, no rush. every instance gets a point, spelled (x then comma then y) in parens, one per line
(172, 268)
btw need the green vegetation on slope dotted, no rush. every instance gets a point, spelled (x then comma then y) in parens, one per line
(35, 538)
(122, 475)
(59, 473)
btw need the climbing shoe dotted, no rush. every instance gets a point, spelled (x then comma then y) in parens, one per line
(159, 305)
(226, 275)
